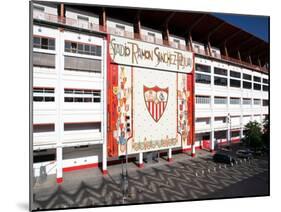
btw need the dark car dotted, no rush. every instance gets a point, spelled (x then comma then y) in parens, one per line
(244, 153)
(221, 157)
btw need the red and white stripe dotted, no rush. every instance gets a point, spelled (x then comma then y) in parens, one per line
(156, 110)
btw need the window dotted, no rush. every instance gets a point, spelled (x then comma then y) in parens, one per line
(214, 53)
(82, 64)
(235, 134)
(82, 18)
(43, 43)
(234, 101)
(79, 95)
(247, 77)
(43, 94)
(247, 85)
(151, 37)
(257, 86)
(41, 128)
(202, 120)
(202, 99)
(220, 81)
(265, 87)
(220, 100)
(220, 71)
(38, 8)
(120, 29)
(257, 102)
(265, 102)
(257, 79)
(235, 83)
(265, 81)
(202, 68)
(177, 43)
(196, 48)
(220, 120)
(82, 126)
(82, 48)
(246, 101)
(44, 60)
(203, 78)
(235, 74)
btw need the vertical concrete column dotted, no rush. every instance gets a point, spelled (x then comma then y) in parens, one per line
(212, 134)
(140, 160)
(59, 101)
(104, 102)
(59, 164)
(170, 159)
(193, 150)
(228, 128)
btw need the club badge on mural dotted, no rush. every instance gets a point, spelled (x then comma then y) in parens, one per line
(156, 101)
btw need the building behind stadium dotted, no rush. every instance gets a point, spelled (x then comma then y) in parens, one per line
(111, 80)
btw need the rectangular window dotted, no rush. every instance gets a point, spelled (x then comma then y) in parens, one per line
(44, 60)
(202, 68)
(151, 37)
(220, 71)
(43, 94)
(82, 48)
(220, 81)
(203, 78)
(265, 81)
(257, 102)
(235, 74)
(220, 100)
(247, 77)
(202, 99)
(235, 134)
(220, 120)
(246, 101)
(41, 128)
(176, 43)
(247, 85)
(82, 126)
(257, 86)
(265, 87)
(257, 79)
(235, 83)
(82, 64)
(234, 101)
(265, 102)
(43, 43)
(80, 95)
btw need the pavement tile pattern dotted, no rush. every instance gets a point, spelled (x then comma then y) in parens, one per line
(180, 180)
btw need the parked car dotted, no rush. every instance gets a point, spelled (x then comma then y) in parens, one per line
(221, 157)
(244, 153)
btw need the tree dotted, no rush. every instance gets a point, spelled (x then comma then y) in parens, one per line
(265, 135)
(253, 135)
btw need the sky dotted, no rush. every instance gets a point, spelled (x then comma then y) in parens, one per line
(256, 25)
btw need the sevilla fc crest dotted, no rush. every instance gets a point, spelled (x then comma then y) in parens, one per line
(156, 101)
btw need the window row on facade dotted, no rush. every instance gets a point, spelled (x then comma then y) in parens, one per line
(232, 100)
(76, 126)
(203, 75)
(48, 43)
(71, 95)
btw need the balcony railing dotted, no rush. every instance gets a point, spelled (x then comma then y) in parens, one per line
(68, 21)
(98, 28)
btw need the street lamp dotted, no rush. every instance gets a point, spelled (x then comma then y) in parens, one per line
(229, 123)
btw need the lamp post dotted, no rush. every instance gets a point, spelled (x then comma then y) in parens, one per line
(229, 124)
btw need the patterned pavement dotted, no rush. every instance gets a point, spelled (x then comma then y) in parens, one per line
(180, 180)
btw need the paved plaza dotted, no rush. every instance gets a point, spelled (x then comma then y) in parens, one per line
(185, 178)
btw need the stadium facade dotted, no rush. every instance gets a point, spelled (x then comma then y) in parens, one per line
(110, 81)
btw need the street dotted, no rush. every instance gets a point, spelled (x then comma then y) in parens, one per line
(182, 180)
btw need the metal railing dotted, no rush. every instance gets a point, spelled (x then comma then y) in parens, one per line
(139, 36)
